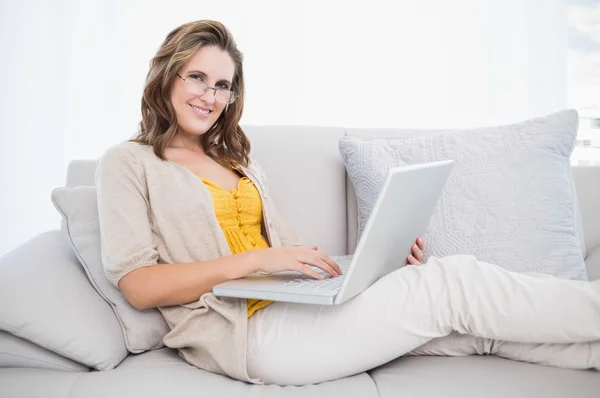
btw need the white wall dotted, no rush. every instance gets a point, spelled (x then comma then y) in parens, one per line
(72, 72)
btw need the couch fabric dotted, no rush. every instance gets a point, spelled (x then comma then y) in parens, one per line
(313, 179)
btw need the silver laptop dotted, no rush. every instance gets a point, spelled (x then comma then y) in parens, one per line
(401, 214)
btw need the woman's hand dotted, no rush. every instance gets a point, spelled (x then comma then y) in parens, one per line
(295, 258)
(417, 253)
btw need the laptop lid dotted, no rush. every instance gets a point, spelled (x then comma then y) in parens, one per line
(400, 214)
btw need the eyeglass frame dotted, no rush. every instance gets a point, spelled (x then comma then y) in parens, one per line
(234, 95)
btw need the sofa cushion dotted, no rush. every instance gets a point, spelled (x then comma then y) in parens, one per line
(52, 304)
(307, 180)
(592, 263)
(162, 373)
(584, 178)
(16, 352)
(508, 201)
(142, 330)
(578, 218)
(587, 180)
(37, 383)
(481, 376)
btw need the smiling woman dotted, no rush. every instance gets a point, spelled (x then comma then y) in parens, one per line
(205, 78)
(184, 208)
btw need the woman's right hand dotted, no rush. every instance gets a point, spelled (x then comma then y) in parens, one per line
(297, 258)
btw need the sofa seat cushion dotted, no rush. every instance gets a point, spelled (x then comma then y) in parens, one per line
(35, 382)
(162, 373)
(481, 376)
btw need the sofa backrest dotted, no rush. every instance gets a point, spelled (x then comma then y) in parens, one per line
(307, 179)
(587, 183)
(311, 190)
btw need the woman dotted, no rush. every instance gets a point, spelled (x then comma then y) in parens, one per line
(183, 208)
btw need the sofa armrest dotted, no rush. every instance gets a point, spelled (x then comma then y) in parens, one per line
(587, 182)
(592, 262)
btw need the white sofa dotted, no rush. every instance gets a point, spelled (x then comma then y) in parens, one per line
(311, 189)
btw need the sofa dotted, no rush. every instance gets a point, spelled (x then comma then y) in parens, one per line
(310, 186)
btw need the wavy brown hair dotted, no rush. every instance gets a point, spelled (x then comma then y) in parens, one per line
(225, 141)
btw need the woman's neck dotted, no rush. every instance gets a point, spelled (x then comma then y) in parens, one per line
(188, 143)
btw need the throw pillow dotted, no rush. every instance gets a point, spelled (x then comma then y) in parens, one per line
(508, 201)
(47, 300)
(143, 330)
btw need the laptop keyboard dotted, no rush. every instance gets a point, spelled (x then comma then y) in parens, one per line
(329, 283)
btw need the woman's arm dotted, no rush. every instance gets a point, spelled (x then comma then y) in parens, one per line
(129, 255)
(174, 284)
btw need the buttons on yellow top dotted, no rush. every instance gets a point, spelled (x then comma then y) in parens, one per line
(240, 216)
(244, 212)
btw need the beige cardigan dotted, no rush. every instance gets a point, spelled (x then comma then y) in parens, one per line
(153, 211)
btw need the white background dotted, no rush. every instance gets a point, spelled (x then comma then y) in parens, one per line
(72, 72)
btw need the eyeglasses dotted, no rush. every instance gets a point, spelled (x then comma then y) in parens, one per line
(197, 86)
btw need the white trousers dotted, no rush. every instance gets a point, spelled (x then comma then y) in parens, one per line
(450, 306)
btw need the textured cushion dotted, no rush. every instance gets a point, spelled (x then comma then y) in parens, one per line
(48, 300)
(143, 330)
(16, 352)
(508, 201)
(581, 204)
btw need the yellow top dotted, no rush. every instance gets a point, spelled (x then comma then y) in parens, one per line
(239, 213)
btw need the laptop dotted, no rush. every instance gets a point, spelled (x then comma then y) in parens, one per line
(399, 216)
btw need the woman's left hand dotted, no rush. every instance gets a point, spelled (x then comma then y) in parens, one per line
(417, 253)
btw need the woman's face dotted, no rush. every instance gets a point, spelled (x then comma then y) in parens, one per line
(196, 113)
